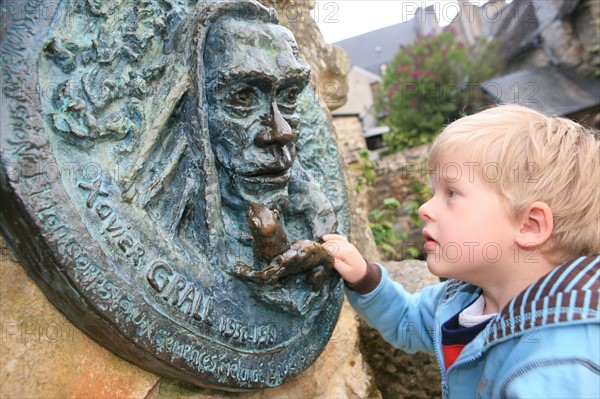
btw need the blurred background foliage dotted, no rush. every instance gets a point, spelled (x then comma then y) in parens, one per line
(430, 83)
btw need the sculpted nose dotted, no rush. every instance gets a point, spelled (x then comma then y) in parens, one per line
(277, 130)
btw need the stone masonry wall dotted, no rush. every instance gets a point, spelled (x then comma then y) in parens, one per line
(351, 139)
(396, 173)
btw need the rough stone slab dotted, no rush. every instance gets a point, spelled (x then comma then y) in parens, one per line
(412, 274)
(43, 355)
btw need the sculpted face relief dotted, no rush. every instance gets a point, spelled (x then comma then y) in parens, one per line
(253, 81)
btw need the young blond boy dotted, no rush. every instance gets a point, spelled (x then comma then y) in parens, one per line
(514, 225)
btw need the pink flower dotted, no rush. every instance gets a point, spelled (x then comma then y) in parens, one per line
(393, 90)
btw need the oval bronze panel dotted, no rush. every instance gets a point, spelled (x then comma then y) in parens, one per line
(166, 173)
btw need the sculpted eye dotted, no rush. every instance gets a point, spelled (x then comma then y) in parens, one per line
(287, 97)
(291, 95)
(243, 99)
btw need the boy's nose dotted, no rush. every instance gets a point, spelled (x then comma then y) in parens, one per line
(425, 212)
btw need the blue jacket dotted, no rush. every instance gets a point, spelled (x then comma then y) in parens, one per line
(544, 344)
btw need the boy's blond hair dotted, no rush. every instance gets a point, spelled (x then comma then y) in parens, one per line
(527, 156)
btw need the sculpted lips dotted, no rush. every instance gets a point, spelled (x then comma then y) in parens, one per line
(274, 168)
(269, 176)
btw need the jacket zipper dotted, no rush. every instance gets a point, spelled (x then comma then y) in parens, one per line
(440, 359)
(445, 373)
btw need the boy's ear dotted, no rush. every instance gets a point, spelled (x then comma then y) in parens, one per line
(535, 226)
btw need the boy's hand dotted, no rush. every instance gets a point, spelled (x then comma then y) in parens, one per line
(348, 261)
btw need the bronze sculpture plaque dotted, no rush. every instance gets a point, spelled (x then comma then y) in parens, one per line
(167, 172)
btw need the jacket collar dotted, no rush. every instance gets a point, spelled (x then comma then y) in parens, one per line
(567, 294)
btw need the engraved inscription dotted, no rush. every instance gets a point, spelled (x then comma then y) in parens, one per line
(262, 336)
(235, 368)
(94, 191)
(145, 323)
(112, 225)
(177, 291)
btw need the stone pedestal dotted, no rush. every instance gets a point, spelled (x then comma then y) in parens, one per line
(43, 355)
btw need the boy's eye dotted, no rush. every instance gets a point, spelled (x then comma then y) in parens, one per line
(452, 193)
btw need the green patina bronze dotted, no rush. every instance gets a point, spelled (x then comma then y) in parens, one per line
(167, 172)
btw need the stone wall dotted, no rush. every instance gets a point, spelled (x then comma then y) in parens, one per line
(401, 176)
(396, 173)
(574, 39)
(586, 25)
(43, 355)
(351, 139)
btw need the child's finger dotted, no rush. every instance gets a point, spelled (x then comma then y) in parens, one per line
(328, 237)
(342, 267)
(336, 248)
(340, 249)
(348, 272)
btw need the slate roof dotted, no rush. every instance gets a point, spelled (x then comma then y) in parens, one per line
(373, 49)
(552, 90)
(517, 29)
(521, 22)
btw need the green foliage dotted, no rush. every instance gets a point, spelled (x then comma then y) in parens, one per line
(390, 242)
(428, 84)
(367, 168)
(422, 194)
(382, 225)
